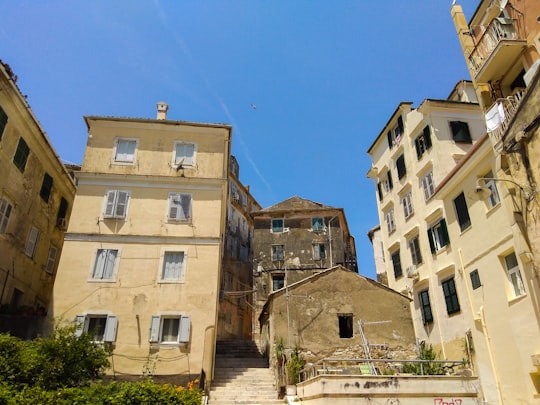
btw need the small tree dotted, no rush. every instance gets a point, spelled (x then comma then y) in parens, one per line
(61, 360)
(294, 365)
(425, 368)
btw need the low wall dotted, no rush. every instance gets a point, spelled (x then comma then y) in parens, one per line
(393, 390)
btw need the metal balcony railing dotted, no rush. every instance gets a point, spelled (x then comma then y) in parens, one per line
(507, 108)
(500, 29)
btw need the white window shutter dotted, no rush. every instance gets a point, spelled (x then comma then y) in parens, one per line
(109, 335)
(184, 329)
(80, 321)
(186, 206)
(109, 207)
(32, 242)
(154, 329)
(121, 204)
(316, 252)
(174, 203)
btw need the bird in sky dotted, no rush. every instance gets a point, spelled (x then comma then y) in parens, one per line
(253, 106)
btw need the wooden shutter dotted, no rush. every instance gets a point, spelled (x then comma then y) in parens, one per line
(390, 183)
(431, 240)
(462, 212)
(184, 329)
(379, 188)
(390, 139)
(400, 125)
(121, 204)
(3, 121)
(32, 242)
(418, 148)
(154, 329)
(444, 233)
(427, 136)
(80, 321)
(400, 164)
(51, 260)
(185, 201)
(109, 335)
(109, 205)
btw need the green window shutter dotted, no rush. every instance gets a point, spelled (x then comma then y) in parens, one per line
(379, 188)
(444, 230)
(418, 149)
(427, 136)
(431, 240)
(460, 131)
(390, 140)
(401, 169)
(21, 155)
(390, 180)
(400, 125)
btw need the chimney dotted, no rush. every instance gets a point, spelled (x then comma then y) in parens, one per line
(162, 108)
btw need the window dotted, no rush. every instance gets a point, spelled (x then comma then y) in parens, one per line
(278, 253)
(46, 187)
(425, 306)
(5, 213)
(61, 220)
(278, 282)
(170, 329)
(400, 165)
(387, 182)
(184, 154)
(460, 131)
(462, 212)
(422, 142)
(475, 279)
(450, 296)
(105, 265)
(379, 190)
(395, 134)
(317, 224)
(51, 260)
(3, 121)
(416, 254)
(21, 155)
(101, 327)
(319, 251)
(406, 200)
(124, 151)
(390, 223)
(438, 236)
(345, 322)
(396, 263)
(31, 242)
(493, 198)
(173, 266)
(116, 202)
(277, 225)
(179, 207)
(427, 185)
(514, 274)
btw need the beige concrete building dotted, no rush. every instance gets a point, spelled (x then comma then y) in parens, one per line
(36, 196)
(236, 295)
(143, 252)
(321, 314)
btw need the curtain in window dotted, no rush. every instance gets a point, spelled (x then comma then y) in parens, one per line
(184, 153)
(125, 150)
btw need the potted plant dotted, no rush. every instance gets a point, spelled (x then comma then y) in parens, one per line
(294, 365)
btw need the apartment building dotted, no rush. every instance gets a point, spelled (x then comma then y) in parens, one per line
(141, 266)
(236, 294)
(294, 239)
(36, 196)
(501, 46)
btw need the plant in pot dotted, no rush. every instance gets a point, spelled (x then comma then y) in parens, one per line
(294, 365)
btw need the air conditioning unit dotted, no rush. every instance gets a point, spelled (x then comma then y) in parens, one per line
(412, 272)
(61, 223)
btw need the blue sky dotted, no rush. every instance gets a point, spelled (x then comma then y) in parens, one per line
(325, 76)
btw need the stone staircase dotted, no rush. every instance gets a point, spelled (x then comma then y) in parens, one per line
(242, 376)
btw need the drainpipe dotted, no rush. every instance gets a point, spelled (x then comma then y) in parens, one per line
(469, 297)
(330, 240)
(490, 352)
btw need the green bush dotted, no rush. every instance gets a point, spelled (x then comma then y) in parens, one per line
(127, 393)
(426, 368)
(62, 360)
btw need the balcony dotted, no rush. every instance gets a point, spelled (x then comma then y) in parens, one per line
(500, 44)
(499, 116)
